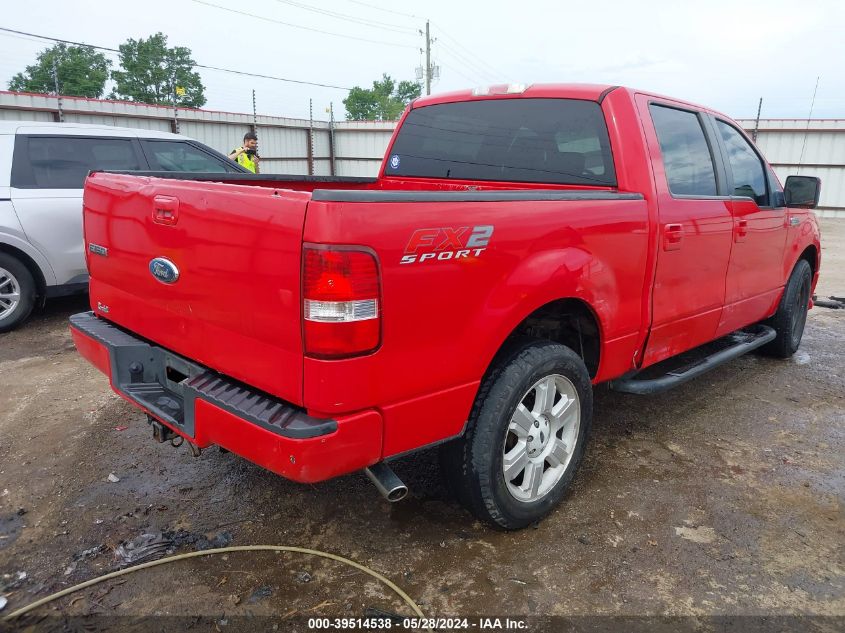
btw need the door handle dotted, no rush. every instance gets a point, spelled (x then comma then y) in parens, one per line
(165, 210)
(672, 236)
(741, 230)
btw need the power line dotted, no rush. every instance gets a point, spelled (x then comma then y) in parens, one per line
(217, 68)
(298, 26)
(24, 38)
(475, 68)
(470, 79)
(344, 16)
(481, 60)
(260, 76)
(372, 6)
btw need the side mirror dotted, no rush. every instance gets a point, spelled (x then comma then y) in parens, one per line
(802, 191)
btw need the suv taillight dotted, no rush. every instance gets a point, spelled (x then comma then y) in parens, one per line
(341, 301)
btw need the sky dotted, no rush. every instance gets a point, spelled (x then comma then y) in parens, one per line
(722, 54)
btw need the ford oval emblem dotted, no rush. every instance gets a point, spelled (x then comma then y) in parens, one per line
(164, 270)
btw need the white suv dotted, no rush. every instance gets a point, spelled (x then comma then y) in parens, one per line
(42, 170)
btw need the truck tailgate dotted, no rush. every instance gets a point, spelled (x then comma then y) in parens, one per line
(235, 251)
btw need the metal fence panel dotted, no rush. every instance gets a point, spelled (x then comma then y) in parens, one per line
(282, 142)
(119, 121)
(220, 136)
(284, 166)
(25, 115)
(833, 185)
(360, 145)
(321, 143)
(322, 167)
(366, 168)
(812, 148)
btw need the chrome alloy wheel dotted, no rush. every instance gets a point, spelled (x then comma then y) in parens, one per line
(10, 293)
(540, 439)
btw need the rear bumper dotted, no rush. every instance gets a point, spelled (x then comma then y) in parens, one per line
(208, 408)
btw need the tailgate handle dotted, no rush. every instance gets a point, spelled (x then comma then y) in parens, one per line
(165, 210)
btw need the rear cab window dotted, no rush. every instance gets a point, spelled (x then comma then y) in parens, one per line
(555, 141)
(63, 162)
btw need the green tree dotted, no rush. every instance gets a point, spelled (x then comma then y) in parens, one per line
(151, 72)
(383, 102)
(81, 72)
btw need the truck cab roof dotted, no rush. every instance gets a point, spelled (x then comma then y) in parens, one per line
(588, 92)
(591, 92)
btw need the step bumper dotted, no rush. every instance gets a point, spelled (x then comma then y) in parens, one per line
(208, 408)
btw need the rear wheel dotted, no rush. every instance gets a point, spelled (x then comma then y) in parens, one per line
(791, 316)
(17, 292)
(525, 438)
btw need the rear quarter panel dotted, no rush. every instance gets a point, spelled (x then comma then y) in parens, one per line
(443, 321)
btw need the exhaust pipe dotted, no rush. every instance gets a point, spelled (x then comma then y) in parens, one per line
(386, 481)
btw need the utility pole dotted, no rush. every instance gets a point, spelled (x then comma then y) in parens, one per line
(60, 113)
(427, 72)
(757, 122)
(427, 59)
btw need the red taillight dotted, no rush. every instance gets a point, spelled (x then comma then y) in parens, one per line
(341, 301)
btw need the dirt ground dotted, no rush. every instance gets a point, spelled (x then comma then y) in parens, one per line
(723, 497)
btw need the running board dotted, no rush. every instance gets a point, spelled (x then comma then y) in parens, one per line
(679, 369)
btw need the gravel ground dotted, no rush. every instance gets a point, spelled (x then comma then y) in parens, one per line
(723, 497)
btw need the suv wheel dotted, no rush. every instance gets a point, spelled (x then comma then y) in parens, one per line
(17, 292)
(525, 438)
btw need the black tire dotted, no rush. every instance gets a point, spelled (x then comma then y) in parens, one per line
(473, 464)
(791, 315)
(18, 276)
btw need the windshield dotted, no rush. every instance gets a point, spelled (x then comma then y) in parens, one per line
(559, 141)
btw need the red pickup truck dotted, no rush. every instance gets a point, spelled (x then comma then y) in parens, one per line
(518, 247)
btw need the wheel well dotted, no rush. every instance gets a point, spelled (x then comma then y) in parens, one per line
(570, 322)
(26, 260)
(812, 256)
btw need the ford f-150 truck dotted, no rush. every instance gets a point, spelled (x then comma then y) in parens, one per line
(518, 247)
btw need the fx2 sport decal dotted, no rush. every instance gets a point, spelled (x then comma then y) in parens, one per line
(447, 243)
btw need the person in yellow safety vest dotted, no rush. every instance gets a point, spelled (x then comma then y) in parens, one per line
(247, 155)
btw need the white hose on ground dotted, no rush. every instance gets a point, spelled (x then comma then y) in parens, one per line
(209, 552)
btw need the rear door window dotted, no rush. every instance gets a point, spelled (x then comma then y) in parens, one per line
(182, 156)
(686, 154)
(63, 162)
(559, 141)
